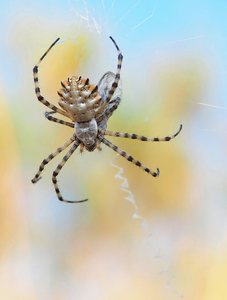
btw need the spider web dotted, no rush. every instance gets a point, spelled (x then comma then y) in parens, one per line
(124, 186)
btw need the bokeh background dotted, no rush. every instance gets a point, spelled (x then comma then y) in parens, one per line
(137, 237)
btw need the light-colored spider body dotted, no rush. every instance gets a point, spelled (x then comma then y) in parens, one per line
(79, 99)
(87, 133)
(89, 108)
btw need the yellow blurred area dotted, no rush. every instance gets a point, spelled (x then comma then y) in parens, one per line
(10, 184)
(62, 62)
(206, 273)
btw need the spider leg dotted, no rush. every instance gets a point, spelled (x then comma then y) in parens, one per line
(58, 169)
(37, 88)
(53, 119)
(130, 158)
(103, 118)
(98, 146)
(116, 80)
(50, 157)
(141, 137)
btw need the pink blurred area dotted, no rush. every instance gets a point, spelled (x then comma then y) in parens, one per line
(137, 237)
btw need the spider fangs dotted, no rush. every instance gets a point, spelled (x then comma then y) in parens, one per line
(88, 107)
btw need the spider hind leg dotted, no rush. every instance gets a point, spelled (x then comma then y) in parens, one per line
(58, 169)
(37, 176)
(130, 158)
(134, 136)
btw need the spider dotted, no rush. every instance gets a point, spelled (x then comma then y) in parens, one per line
(88, 107)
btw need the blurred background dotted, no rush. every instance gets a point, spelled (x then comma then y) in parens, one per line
(137, 237)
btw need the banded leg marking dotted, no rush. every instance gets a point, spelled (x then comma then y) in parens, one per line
(37, 88)
(58, 169)
(107, 113)
(53, 119)
(130, 158)
(141, 137)
(49, 158)
(117, 76)
(116, 80)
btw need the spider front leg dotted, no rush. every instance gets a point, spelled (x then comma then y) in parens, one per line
(49, 158)
(116, 79)
(140, 137)
(58, 169)
(130, 158)
(37, 88)
(59, 121)
(103, 118)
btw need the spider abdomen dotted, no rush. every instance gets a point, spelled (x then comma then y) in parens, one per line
(79, 99)
(87, 132)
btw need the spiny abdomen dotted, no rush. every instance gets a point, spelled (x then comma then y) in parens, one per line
(79, 99)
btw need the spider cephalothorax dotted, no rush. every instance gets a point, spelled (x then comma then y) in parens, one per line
(89, 108)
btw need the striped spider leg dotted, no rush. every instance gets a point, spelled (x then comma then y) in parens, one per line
(138, 137)
(56, 120)
(141, 137)
(116, 81)
(130, 158)
(59, 167)
(104, 85)
(37, 176)
(37, 88)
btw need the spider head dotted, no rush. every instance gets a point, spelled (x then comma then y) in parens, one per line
(79, 99)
